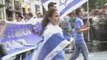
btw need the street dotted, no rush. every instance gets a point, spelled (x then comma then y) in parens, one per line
(92, 56)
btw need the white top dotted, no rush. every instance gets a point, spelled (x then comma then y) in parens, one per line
(50, 30)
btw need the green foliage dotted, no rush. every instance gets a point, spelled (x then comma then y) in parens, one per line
(95, 4)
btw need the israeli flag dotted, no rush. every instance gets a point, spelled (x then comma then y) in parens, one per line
(53, 43)
(64, 6)
(52, 48)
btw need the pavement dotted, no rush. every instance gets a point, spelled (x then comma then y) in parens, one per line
(92, 56)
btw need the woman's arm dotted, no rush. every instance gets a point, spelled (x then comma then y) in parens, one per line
(2, 28)
(84, 29)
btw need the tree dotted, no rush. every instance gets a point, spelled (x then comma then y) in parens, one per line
(95, 4)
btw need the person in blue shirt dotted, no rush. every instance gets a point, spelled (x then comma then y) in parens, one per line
(79, 28)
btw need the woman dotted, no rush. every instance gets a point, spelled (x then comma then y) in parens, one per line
(53, 38)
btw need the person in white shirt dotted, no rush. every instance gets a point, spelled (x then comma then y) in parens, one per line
(31, 19)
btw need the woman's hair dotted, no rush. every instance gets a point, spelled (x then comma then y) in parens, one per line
(51, 4)
(45, 21)
(77, 11)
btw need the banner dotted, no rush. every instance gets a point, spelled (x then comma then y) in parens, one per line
(64, 6)
(19, 38)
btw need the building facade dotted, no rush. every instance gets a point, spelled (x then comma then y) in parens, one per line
(2, 10)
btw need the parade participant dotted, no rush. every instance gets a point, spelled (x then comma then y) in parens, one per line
(2, 29)
(53, 38)
(79, 28)
(30, 19)
(2, 52)
(19, 18)
(67, 23)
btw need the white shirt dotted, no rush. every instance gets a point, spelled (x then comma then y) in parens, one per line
(33, 21)
(50, 30)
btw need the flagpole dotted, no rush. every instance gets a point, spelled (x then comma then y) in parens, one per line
(13, 10)
(88, 19)
(4, 11)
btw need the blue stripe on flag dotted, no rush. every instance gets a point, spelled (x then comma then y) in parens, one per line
(12, 29)
(66, 36)
(20, 32)
(43, 1)
(50, 44)
(73, 3)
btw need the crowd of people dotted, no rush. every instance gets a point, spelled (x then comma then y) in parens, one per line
(22, 17)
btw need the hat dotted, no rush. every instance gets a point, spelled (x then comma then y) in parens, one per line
(51, 4)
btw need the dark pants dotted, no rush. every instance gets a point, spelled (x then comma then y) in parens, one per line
(80, 47)
(2, 51)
